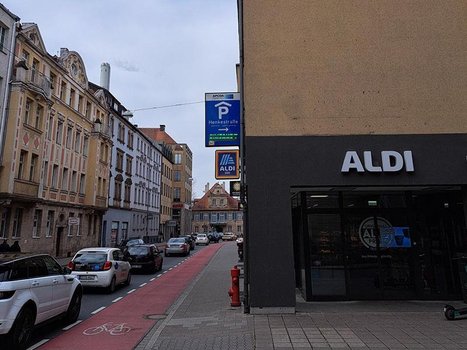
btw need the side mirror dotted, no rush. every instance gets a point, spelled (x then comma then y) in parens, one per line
(66, 270)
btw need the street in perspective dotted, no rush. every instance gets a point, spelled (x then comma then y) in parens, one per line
(229, 174)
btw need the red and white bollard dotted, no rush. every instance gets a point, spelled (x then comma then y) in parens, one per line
(234, 291)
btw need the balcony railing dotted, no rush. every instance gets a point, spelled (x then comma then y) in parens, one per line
(35, 78)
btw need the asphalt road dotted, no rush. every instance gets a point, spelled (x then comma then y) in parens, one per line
(94, 300)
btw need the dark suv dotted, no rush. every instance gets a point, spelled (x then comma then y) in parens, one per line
(34, 288)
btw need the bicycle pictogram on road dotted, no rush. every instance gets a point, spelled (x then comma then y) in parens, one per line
(109, 327)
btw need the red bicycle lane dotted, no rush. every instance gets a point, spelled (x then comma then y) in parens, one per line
(122, 325)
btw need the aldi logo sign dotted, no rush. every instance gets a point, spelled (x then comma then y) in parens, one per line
(227, 164)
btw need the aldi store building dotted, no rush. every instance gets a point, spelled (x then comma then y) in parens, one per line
(355, 148)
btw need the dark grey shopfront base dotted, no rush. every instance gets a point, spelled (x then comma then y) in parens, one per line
(279, 168)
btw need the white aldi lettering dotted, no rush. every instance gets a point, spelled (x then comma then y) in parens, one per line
(391, 162)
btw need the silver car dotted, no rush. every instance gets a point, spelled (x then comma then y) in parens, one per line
(177, 246)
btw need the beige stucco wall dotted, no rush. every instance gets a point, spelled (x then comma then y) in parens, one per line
(329, 67)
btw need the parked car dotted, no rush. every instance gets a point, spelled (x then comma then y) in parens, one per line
(145, 257)
(228, 236)
(34, 288)
(177, 245)
(202, 238)
(101, 267)
(214, 237)
(125, 243)
(190, 241)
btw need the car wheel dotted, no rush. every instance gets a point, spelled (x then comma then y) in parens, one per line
(153, 268)
(128, 279)
(111, 287)
(74, 308)
(21, 331)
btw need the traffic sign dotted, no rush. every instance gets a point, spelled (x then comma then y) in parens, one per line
(222, 111)
(227, 164)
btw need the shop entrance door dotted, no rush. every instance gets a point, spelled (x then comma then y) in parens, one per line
(379, 254)
(326, 256)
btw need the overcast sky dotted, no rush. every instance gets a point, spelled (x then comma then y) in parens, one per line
(161, 52)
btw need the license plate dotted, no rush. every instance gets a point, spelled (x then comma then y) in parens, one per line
(86, 278)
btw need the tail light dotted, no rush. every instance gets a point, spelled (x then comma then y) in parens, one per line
(71, 265)
(107, 265)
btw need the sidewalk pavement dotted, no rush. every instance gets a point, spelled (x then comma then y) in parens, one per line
(202, 318)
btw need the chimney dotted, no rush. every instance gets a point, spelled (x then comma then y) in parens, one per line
(162, 127)
(105, 76)
(206, 188)
(223, 185)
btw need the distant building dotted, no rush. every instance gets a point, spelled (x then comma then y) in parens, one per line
(135, 178)
(217, 211)
(181, 180)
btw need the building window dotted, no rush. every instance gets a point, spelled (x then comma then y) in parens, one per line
(124, 230)
(239, 228)
(229, 216)
(74, 181)
(38, 120)
(82, 183)
(78, 141)
(85, 145)
(55, 176)
(118, 191)
(177, 175)
(119, 165)
(63, 91)
(71, 101)
(178, 158)
(3, 32)
(130, 139)
(205, 217)
(196, 217)
(65, 179)
(176, 194)
(21, 164)
(69, 136)
(221, 217)
(32, 167)
(49, 128)
(36, 224)
(34, 71)
(129, 164)
(53, 81)
(45, 178)
(214, 217)
(239, 215)
(27, 111)
(50, 223)
(4, 215)
(59, 133)
(17, 219)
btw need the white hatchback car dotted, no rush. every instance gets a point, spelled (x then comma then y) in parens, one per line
(202, 238)
(34, 288)
(101, 267)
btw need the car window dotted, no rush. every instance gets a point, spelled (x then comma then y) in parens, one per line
(87, 257)
(53, 267)
(137, 250)
(177, 240)
(5, 270)
(36, 267)
(117, 255)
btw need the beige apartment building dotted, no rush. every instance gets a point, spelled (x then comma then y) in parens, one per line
(55, 172)
(355, 143)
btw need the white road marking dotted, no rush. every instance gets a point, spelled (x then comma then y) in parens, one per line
(152, 279)
(35, 346)
(171, 268)
(115, 300)
(130, 291)
(142, 284)
(159, 275)
(98, 310)
(165, 272)
(72, 325)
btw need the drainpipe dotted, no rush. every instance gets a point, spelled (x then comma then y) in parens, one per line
(6, 97)
(243, 188)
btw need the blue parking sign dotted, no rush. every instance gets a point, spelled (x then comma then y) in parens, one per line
(222, 111)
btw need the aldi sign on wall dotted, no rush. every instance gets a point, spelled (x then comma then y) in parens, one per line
(227, 164)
